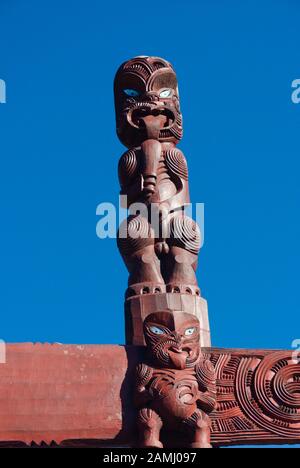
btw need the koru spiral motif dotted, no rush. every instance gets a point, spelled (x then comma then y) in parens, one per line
(258, 396)
(269, 393)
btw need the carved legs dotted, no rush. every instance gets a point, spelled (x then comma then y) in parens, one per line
(199, 426)
(145, 268)
(180, 264)
(179, 271)
(153, 268)
(149, 426)
(136, 244)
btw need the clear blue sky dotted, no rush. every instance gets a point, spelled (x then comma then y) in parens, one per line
(235, 63)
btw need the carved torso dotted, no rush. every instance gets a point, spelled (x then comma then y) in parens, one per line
(177, 393)
(170, 172)
(166, 188)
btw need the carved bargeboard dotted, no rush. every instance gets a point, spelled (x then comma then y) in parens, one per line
(62, 392)
(258, 397)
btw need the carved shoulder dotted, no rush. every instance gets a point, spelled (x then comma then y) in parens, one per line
(128, 167)
(143, 375)
(205, 374)
(176, 163)
(206, 378)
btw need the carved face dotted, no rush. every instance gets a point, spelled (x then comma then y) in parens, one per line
(147, 102)
(172, 339)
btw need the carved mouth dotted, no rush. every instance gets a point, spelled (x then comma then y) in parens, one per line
(179, 349)
(139, 117)
(178, 357)
(174, 349)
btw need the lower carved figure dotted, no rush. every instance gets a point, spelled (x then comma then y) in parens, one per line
(176, 387)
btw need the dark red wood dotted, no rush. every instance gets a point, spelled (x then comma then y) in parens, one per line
(55, 392)
(82, 395)
(159, 243)
(175, 385)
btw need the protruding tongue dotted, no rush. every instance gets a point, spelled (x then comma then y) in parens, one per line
(153, 124)
(178, 359)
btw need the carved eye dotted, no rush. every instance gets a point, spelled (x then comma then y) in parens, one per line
(131, 92)
(189, 331)
(166, 93)
(157, 331)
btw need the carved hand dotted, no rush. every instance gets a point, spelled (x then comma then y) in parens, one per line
(151, 150)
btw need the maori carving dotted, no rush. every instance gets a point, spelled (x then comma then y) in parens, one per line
(175, 388)
(159, 244)
(258, 397)
(208, 396)
(257, 400)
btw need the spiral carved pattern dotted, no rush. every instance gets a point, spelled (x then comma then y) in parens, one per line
(205, 374)
(176, 163)
(143, 374)
(271, 398)
(128, 166)
(258, 397)
(185, 233)
(136, 234)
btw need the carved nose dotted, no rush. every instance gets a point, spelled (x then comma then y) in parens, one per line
(178, 339)
(151, 96)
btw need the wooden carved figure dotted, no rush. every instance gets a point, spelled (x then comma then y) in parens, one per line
(160, 256)
(176, 387)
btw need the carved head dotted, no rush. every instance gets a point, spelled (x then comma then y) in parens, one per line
(172, 339)
(147, 102)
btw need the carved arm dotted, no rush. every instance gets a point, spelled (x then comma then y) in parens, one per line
(142, 395)
(206, 378)
(151, 151)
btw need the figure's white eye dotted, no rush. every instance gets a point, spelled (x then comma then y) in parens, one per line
(157, 331)
(131, 92)
(165, 93)
(189, 331)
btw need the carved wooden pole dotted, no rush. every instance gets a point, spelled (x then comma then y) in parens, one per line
(158, 242)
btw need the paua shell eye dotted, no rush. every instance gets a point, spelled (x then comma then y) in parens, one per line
(165, 93)
(189, 331)
(131, 92)
(157, 331)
